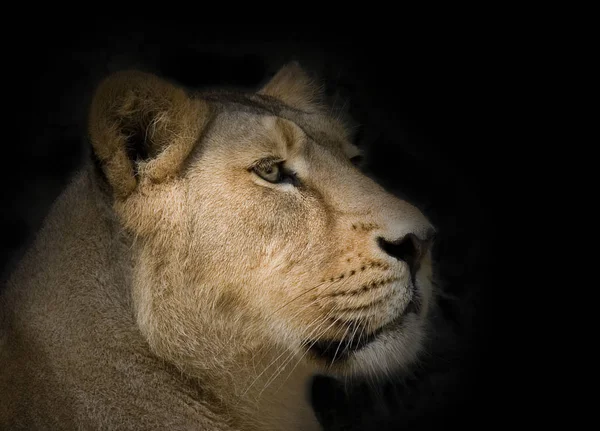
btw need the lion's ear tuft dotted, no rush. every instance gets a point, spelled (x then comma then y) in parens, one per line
(294, 87)
(142, 127)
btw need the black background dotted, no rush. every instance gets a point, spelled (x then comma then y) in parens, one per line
(426, 96)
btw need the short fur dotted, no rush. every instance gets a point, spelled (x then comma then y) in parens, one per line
(171, 287)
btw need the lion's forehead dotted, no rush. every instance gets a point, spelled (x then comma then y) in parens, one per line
(258, 110)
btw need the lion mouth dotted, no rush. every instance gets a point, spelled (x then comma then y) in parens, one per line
(335, 351)
(340, 350)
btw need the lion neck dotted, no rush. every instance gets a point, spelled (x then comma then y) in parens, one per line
(259, 384)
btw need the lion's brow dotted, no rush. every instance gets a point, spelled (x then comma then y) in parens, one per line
(238, 101)
(256, 104)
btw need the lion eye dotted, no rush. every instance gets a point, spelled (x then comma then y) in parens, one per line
(274, 171)
(270, 173)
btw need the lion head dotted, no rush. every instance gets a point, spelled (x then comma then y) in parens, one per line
(252, 227)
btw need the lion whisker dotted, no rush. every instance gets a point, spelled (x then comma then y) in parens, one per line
(306, 350)
(352, 337)
(289, 352)
(281, 368)
(308, 337)
(307, 291)
(298, 296)
(339, 344)
(266, 368)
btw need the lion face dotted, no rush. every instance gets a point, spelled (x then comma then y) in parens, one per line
(268, 235)
(303, 238)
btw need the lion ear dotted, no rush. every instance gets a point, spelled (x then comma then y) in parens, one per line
(294, 87)
(142, 128)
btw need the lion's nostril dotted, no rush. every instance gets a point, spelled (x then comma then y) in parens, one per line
(408, 249)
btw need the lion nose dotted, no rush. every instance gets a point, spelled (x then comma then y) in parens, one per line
(409, 248)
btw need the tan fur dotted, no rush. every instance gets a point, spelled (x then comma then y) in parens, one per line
(181, 297)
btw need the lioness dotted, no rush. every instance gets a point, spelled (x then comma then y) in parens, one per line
(218, 250)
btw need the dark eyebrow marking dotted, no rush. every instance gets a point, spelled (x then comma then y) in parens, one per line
(251, 103)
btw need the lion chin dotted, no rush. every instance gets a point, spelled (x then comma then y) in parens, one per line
(218, 250)
(378, 353)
